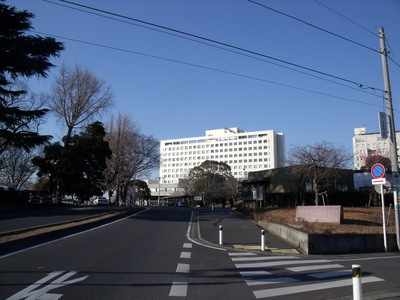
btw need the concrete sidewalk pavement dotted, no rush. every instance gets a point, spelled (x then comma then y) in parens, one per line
(237, 231)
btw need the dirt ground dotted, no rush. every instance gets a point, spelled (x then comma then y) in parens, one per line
(355, 220)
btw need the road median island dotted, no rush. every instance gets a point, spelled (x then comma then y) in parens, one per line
(17, 240)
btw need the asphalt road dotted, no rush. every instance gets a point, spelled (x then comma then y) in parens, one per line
(155, 254)
(31, 216)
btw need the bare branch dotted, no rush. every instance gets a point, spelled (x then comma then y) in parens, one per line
(78, 96)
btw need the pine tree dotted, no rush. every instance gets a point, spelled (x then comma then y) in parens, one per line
(21, 56)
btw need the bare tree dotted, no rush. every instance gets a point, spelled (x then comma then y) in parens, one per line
(17, 168)
(376, 156)
(133, 154)
(318, 163)
(77, 97)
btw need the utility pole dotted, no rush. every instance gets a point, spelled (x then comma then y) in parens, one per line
(159, 187)
(392, 132)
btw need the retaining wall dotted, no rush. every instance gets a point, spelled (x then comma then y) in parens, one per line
(310, 243)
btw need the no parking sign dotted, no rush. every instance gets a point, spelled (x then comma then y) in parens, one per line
(378, 171)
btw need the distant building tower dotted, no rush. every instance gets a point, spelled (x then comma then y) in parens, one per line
(366, 144)
(243, 151)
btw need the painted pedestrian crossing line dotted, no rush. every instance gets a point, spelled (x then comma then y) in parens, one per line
(268, 249)
(285, 275)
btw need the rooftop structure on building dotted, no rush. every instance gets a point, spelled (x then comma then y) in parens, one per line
(366, 144)
(242, 151)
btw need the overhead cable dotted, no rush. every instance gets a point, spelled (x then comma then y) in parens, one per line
(210, 69)
(348, 19)
(314, 26)
(222, 44)
(218, 47)
(367, 30)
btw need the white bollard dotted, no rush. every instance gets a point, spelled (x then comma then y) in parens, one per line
(220, 235)
(262, 240)
(357, 288)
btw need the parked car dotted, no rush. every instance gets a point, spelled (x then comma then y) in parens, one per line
(101, 201)
(182, 204)
(68, 201)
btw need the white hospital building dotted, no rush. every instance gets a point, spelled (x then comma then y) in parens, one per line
(243, 151)
(366, 144)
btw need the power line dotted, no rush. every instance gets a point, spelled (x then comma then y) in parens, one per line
(215, 46)
(222, 44)
(348, 19)
(395, 62)
(209, 68)
(314, 26)
(362, 27)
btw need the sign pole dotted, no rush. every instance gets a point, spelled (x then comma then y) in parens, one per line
(396, 197)
(383, 219)
(378, 171)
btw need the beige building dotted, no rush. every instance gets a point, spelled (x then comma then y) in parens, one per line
(243, 151)
(365, 144)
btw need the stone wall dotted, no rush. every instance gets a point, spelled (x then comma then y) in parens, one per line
(309, 243)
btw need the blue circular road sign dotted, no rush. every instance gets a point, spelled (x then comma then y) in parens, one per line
(378, 171)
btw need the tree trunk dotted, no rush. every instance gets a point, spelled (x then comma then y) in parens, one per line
(68, 136)
(316, 190)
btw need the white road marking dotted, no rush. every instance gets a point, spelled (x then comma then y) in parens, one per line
(309, 268)
(331, 274)
(39, 290)
(179, 289)
(72, 235)
(195, 242)
(270, 280)
(187, 245)
(254, 273)
(262, 258)
(309, 287)
(186, 255)
(183, 268)
(241, 254)
(279, 263)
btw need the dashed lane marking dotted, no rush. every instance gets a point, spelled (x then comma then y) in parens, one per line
(186, 255)
(183, 268)
(178, 289)
(187, 245)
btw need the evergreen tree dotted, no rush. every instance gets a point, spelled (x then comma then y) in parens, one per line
(211, 179)
(21, 56)
(79, 168)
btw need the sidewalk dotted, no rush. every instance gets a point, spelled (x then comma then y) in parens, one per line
(238, 231)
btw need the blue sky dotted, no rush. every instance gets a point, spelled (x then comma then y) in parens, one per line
(179, 88)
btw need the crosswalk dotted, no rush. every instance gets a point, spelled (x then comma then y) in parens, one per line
(267, 249)
(284, 275)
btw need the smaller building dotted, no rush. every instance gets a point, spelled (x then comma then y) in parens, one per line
(366, 144)
(363, 180)
(165, 193)
(267, 185)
